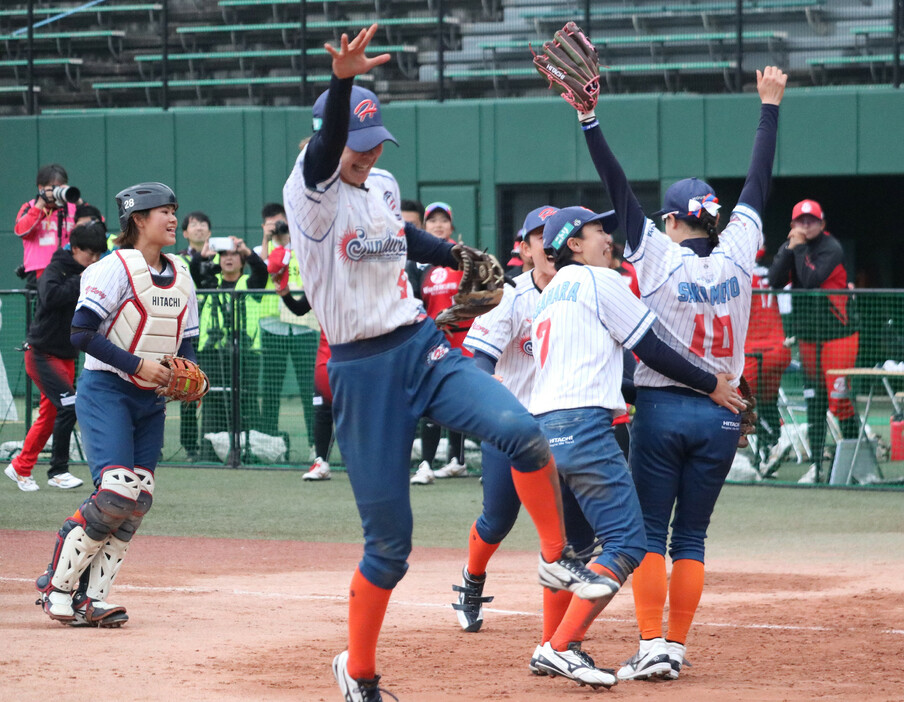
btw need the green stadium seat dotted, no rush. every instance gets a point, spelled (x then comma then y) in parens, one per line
(102, 9)
(642, 39)
(112, 37)
(262, 53)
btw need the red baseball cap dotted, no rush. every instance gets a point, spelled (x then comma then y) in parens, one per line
(807, 207)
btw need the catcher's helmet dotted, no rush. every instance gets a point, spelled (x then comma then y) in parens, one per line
(142, 196)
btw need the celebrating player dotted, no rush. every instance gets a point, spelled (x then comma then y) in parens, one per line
(682, 445)
(136, 306)
(584, 317)
(389, 366)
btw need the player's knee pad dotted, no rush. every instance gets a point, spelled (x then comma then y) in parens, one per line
(104, 567)
(72, 557)
(525, 443)
(143, 504)
(494, 525)
(114, 501)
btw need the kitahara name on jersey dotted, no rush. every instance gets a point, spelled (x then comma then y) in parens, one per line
(355, 246)
(563, 291)
(717, 295)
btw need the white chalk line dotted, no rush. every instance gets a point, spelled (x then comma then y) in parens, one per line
(433, 605)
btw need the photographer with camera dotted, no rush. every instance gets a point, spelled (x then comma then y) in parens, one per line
(220, 316)
(283, 334)
(44, 223)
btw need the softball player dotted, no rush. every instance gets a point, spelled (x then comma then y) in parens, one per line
(682, 445)
(135, 306)
(584, 318)
(389, 366)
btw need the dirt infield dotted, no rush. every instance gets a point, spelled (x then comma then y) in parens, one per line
(261, 620)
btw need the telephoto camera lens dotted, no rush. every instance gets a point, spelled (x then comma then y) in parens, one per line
(280, 228)
(66, 193)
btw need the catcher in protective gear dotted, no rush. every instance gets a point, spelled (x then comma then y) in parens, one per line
(748, 415)
(571, 64)
(187, 382)
(480, 289)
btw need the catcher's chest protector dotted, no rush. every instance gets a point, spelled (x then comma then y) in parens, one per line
(150, 325)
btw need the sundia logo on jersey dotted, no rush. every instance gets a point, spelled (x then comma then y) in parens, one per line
(714, 294)
(526, 346)
(355, 246)
(567, 292)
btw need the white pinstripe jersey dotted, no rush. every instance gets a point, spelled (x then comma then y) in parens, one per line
(104, 288)
(351, 250)
(702, 305)
(583, 319)
(504, 334)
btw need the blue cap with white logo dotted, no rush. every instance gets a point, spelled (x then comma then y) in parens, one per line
(365, 126)
(568, 221)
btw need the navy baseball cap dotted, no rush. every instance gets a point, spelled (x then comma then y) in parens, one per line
(365, 126)
(680, 196)
(535, 219)
(568, 221)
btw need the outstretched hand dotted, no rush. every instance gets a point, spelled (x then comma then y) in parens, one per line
(770, 84)
(349, 60)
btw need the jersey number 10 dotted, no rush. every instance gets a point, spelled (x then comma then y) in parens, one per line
(721, 340)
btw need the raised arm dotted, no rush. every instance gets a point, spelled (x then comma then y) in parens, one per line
(326, 146)
(771, 87)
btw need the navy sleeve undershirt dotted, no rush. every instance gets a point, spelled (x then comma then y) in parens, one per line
(628, 391)
(613, 177)
(85, 337)
(485, 362)
(663, 359)
(297, 305)
(325, 147)
(759, 175)
(426, 248)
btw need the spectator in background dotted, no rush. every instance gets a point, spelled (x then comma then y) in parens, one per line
(438, 286)
(204, 269)
(219, 317)
(765, 358)
(413, 211)
(85, 214)
(812, 259)
(44, 223)
(283, 334)
(50, 359)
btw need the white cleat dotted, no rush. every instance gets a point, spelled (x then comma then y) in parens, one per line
(65, 481)
(573, 664)
(570, 573)
(676, 658)
(424, 475)
(320, 470)
(452, 469)
(650, 661)
(808, 478)
(25, 482)
(360, 689)
(532, 666)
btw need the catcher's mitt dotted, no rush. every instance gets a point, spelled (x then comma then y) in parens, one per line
(748, 416)
(187, 383)
(571, 64)
(480, 289)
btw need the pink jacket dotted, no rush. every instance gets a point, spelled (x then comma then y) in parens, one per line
(38, 232)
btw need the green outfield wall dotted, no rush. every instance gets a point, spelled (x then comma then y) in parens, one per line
(228, 162)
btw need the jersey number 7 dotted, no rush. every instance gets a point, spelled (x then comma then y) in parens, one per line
(543, 335)
(721, 340)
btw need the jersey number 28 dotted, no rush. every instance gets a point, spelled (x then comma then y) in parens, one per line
(720, 339)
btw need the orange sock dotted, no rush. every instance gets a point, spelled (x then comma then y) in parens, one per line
(555, 604)
(580, 615)
(366, 606)
(685, 588)
(540, 494)
(479, 552)
(650, 589)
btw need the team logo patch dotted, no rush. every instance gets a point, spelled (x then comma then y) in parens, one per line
(561, 440)
(437, 353)
(439, 275)
(365, 109)
(731, 425)
(355, 246)
(389, 199)
(526, 346)
(547, 212)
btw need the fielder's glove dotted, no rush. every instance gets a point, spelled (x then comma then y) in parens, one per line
(748, 416)
(480, 289)
(571, 64)
(187, 383)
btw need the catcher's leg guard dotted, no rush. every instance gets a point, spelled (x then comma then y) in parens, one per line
(91, 600)
(73, 554)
